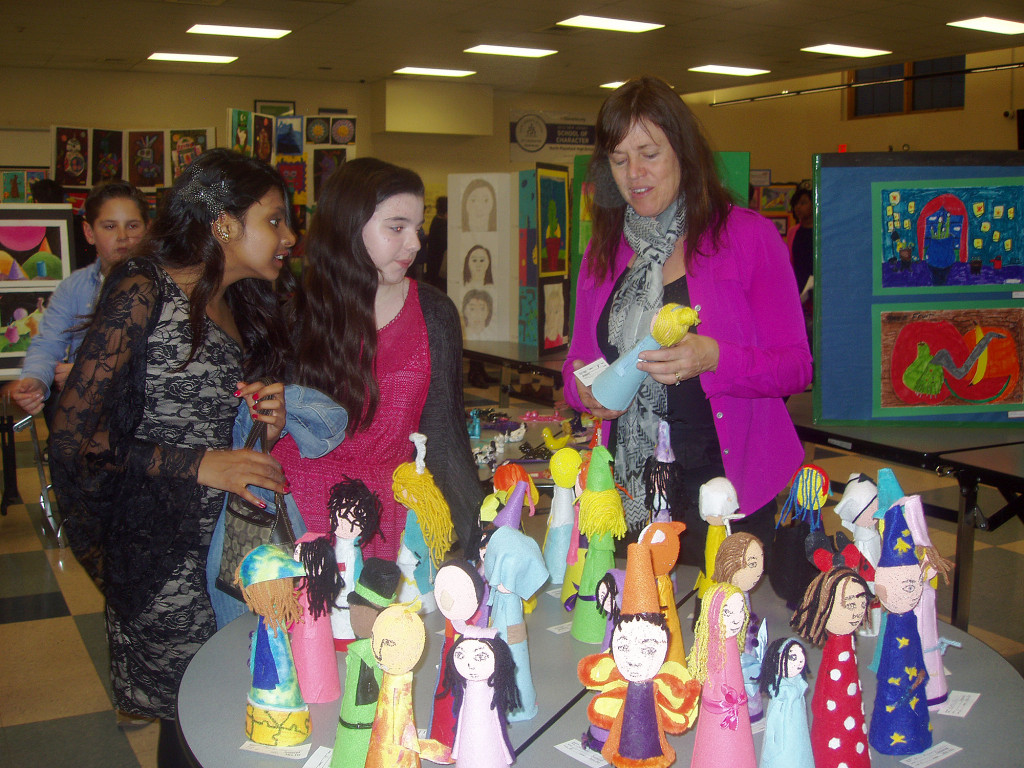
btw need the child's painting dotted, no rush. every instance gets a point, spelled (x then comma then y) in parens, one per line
(343, 130)
(325, 161)
(289, 138)
(293, 171)
(186, 146)
(954, 358)
(71, 156)
(318, 130)
(146, 158)
(12, 187)
(554, 312)
(240, 131)
(107, 155)
(262, 137)
(552, 214)
(32, 175)
(940, 236)
(21, 314)
(775, 198)
(34, 245)
(528, 315)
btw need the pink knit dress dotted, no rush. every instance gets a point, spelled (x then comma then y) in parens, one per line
(373, 453)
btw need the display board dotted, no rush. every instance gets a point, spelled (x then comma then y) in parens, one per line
(919, 302)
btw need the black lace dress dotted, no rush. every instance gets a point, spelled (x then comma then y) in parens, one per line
(131, 429)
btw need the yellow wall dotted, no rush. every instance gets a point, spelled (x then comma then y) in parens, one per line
(781, 134)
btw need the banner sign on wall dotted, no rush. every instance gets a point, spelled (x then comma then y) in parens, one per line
(549, 136)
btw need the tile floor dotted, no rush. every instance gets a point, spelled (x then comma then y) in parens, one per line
(55, 707)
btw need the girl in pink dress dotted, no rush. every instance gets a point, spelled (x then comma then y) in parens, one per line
(384, 347)
(833, 607)
(723, 725)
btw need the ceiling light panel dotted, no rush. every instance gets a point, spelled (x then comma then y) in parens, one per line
(217, 29)
(192, 58)
(988, 24)
(832, 49)
(508, 50)
(434, 71)
(609, 25)
(721, 69)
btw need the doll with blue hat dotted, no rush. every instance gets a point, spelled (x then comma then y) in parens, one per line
(899, 721)
(276, 713)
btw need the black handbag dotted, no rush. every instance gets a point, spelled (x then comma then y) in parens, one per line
(247, 526)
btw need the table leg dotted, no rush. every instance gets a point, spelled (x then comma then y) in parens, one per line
(964, 571)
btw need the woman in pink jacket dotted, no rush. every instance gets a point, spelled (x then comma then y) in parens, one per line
(665, 230)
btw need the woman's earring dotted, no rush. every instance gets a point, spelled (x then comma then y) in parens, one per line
(221, 232)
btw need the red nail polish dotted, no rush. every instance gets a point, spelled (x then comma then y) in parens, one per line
(263, 505)
(238, 393)
(256, 397)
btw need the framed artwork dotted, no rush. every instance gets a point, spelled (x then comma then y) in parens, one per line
(263, 137)
(35, 245)
(948, 236)
(273, 107)
(553, 314)
(70, 156)
(186, 146)
(343, 130)
(21, 314)
(145, 158)
(318, 130)
(240, 131)
(13, 186)
(760, 177)
(288, 137)
(781, 223)
(775, 197)
(553, 219)
(107, 155)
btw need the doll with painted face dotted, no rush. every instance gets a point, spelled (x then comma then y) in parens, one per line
(397, 642)
(354, 519)
(275, 713)
(565, 469)
(609, 603)
(723, 727)
(718, 504)
(428, 527)
(373, 592)
(740, 562)
(458, 590)
(783, 679)
(663, 539)
(312, 637)
(832, 609)
(480, 676)
(899, 720)
(641, 696)
(602, 520)
(663, 479)
(514, 568)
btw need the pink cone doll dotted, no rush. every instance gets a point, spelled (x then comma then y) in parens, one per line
(833, 607)
(316, 661)
(723, 727)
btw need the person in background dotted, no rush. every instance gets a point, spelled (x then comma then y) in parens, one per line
(141, 444)
(800, 240)
(115, 221)
(665, 230)
(437, 245)
(386, 348)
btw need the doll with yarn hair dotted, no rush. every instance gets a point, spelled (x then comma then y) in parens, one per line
(355, 514)
(312, 638)
(371, 594)
(397, 641)
(428, 527)
(663, 479)
(789, 570)
(723, 734)
(899, 720)
(832, 608)
(565, 469)
(480, 676)
(514, 568)
(641, 695)
(506, 475)
(609, 603)
(275, 713)
(602, 520)
(663, 539)
(458, 591)
(783, 679)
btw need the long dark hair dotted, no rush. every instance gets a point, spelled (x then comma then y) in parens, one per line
(182, 237)
(506, 696)
(701, 192)
(333, 313)
(773, 669)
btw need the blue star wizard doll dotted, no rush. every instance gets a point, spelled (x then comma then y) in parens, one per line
(899, 722)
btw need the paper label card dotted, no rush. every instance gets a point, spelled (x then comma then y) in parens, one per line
(560, 629)
(297, 752)
(958, 704)
(930, 756)
(321, 758)
(588, 373)
(576, 751)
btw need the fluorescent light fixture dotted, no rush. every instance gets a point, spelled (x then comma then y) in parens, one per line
(832, 49)
(508, 50)
(614, 85)
(610, 25)
(217, 29)
(719, 69)
(194, 58)
(988, 24)
(434, 71)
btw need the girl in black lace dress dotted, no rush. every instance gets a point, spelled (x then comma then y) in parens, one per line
(141, 446)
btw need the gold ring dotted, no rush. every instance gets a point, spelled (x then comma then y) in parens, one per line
(678, 378)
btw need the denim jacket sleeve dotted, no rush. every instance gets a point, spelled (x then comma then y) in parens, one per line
(314, 420)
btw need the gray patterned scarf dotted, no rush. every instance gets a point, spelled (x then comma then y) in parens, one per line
(633, 307)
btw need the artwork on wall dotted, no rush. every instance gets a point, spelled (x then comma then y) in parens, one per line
(955, 358)
(944, 236)
(318, 130)
(70, 156)
(553, 313)
(35, 245)
(186, 146)
(552, 215)
(343, 130)
(775, 197)
(145, 158)
(273, 108)
(325, 160)
(21, 313)
(289, 136)
(240, 131)
(781, 223)
(13, 186)
(262, 137)
(107, 155)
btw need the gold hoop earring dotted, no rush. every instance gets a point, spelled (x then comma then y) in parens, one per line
(221, 232)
